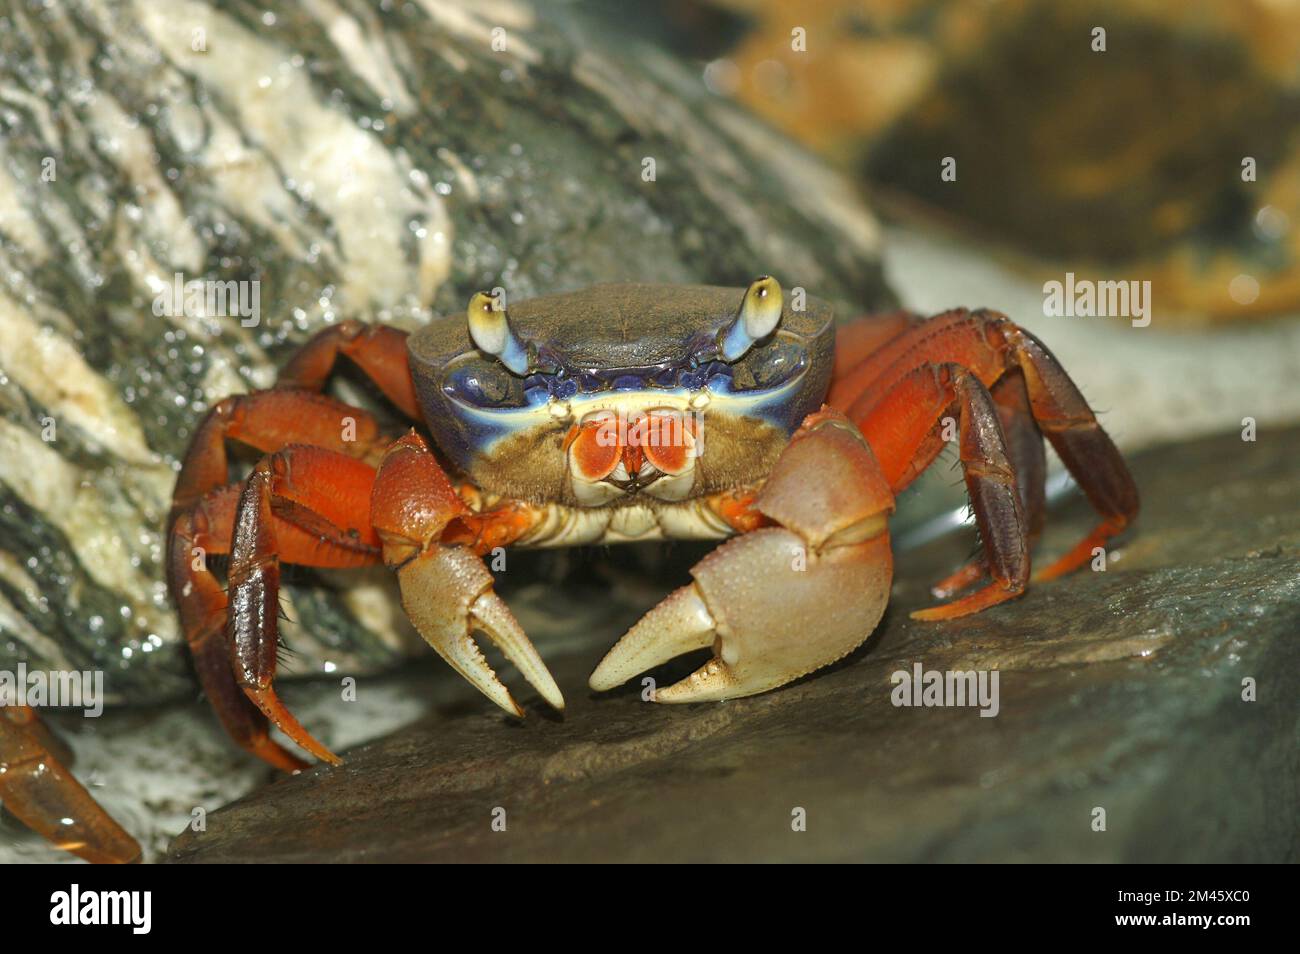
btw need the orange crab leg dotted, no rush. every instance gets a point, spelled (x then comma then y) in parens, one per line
(858, 340)
(1025, 445)
(1085, 449)
(267, 421)
(410, 514)
(905, 430)
(954, 337)
(203, 517)
(203, 509)
(206, 529)
(201, 603)
(37, 788)
(318, 490)
(378, 350)
(990, 346)
(414, 505)
(1028, 461)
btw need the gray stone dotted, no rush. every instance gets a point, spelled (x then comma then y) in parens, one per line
(1120, 690)
(356, 163)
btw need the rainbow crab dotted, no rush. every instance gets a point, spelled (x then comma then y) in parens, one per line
(618, 413)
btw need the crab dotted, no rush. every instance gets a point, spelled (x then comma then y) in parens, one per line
(627, 412)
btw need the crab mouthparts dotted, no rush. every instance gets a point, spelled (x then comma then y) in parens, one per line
(610, 456)
(634, 484)
(633, 472)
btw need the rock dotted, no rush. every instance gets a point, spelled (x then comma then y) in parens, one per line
(1120, 690)
(340, 162)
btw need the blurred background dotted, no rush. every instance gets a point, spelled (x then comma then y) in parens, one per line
(1131, 141)
(1116, 140)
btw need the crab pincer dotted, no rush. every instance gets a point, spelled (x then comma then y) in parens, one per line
(446, 590)
(787, 598)
(314, 506)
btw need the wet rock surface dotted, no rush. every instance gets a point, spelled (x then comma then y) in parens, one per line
(355, 162)
(1120, 690)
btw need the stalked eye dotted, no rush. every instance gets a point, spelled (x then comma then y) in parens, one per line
(757, 317)
(489, 327)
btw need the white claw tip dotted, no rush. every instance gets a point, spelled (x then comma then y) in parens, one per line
(680, 624)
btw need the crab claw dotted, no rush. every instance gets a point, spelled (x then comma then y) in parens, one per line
(785, 600)
(446, 590)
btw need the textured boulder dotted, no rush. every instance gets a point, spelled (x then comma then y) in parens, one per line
(352, 163)
(1124, 690)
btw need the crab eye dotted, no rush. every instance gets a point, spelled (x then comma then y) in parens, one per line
(489, 327)
(757, 317)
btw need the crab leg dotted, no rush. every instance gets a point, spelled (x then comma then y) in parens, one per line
(446, 590)
(203, 508)
(378, 350)
(1025, 446)
(322, 493)
(990, 346)
(202, 604)
(1028, 462)
(825, 556)
(202, 522)
(268, 421)
(37, 788)
(922, 399)
(207, 529)
(858, 340)
(1085, 449)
